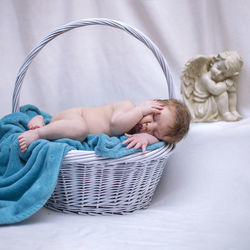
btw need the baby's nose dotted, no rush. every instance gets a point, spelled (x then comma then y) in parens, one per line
(149, 127)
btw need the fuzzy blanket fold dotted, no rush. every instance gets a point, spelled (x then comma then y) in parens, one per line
(28, 180)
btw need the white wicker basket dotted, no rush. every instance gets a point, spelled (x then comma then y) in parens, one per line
(90, 184)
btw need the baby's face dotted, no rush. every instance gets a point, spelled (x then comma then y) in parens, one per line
(158, 125)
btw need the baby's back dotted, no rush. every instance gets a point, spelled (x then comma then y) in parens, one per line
(98, 118)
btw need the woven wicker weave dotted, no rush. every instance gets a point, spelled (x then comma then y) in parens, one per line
(90, 184)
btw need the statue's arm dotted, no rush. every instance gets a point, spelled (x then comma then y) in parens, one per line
(213, 87)
(231, 85)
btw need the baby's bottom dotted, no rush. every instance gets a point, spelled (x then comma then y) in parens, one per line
(72, 126)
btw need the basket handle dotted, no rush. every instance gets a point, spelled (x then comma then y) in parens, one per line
(85, 22)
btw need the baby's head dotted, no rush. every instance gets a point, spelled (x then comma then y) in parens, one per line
(170, 125)
(180, 120)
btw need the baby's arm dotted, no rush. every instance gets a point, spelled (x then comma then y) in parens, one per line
(126, 115)
(141, 140)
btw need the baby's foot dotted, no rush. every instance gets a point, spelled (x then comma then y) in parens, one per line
(26, 138)
(36, 122)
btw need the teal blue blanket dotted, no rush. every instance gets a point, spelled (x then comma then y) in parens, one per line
(28, 180)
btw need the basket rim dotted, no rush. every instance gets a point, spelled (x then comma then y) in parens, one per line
(82, 156)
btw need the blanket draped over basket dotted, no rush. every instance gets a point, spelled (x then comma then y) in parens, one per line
(28, 180)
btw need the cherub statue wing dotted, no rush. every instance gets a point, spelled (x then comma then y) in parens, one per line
(192, 71)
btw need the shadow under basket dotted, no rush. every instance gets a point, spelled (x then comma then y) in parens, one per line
(90, 184)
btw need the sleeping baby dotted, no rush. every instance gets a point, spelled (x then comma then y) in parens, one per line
(145, 124)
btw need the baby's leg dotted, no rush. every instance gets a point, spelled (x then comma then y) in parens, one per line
(36, 122)
(72, 128)
(75, 129)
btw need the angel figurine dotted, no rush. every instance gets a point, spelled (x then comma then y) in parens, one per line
(208, 86)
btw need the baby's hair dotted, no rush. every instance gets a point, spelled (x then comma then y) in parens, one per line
(182, 119)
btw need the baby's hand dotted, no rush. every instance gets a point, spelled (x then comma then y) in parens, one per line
(150, 107)
(140, 140)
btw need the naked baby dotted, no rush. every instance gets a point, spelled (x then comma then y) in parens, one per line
(145, 124)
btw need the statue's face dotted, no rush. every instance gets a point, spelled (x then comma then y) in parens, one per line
(219, 71)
